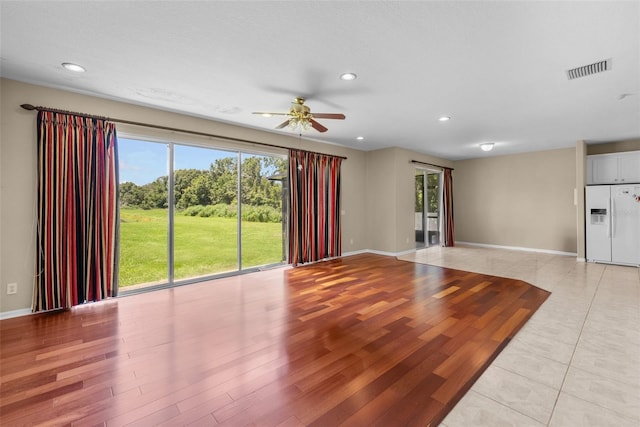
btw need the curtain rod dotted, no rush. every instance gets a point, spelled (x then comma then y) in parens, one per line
(30, 107)
(431, 164)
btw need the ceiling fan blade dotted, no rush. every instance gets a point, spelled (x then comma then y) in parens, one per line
(283, 124)
(317, 126)
(267, 114)
(338, 116)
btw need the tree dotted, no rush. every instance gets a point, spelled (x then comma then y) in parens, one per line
(131, 195)
(156, 194)
(224, 181)
(183, 179)
(419, 189)
(257, 188)
(433, 193)
(198, 192)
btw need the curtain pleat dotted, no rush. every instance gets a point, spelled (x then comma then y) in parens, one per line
(447, 189)
(314, 216)
(77, 211)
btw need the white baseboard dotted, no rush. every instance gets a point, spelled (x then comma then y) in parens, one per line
(376, 252)
(15, 313)
(361, 251)
(581, 260)
(517, 248)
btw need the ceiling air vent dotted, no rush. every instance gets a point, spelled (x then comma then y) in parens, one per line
(587, 70)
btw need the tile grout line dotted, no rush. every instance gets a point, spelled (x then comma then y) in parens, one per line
(593, 297)
(514, 409)
(506, 406)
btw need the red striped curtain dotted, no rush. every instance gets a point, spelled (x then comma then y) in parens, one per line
(447, 201)
(314, 215)
(77, 211)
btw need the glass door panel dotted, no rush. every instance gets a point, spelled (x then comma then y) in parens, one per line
(262, 198)
(428, 195)
(144, 219)
(206, 206)
(419, 209)
(432, 207)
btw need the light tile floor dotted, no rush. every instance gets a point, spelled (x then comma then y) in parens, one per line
(575, 363)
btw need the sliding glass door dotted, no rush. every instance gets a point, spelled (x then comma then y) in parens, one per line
(212, 212)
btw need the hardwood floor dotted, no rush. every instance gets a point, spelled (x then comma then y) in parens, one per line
(361, 341)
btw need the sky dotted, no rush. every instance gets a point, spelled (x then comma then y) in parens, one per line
(141, 162)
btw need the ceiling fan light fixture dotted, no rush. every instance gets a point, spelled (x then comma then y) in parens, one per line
(300, 116)
(487, 146)
(348, 76)
(299, 122)
(70, 66)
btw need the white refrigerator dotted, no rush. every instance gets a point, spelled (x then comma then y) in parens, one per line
(613, 224)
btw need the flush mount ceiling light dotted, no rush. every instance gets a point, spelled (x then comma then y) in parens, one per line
(487, 146)
(348, 76)
(444, 119)
(73, 67)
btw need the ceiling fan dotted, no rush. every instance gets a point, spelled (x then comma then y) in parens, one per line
(299, 115)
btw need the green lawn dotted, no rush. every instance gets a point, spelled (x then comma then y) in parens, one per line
(202, 245)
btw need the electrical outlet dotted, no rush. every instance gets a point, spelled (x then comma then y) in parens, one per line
(12, 288)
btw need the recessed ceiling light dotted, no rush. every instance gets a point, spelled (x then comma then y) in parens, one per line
(487, 146)
(73, 67)
(348, 76)
(444, 118)
(360, 138)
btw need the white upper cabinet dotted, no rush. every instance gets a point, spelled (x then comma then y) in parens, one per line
(629, 167)
(615, 168)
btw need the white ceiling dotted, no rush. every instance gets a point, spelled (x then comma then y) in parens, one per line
(497, 68)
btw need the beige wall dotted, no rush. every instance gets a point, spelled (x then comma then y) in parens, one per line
(381, 203)
(614, 147)
(524, 200)
(390, 197)
(18, 173)
(581, 181)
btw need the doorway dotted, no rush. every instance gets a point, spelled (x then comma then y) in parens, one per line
(428, 202)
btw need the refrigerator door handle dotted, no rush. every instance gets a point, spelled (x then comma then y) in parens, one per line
(612, 218)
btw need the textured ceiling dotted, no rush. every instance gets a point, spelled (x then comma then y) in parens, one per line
(497, 68)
